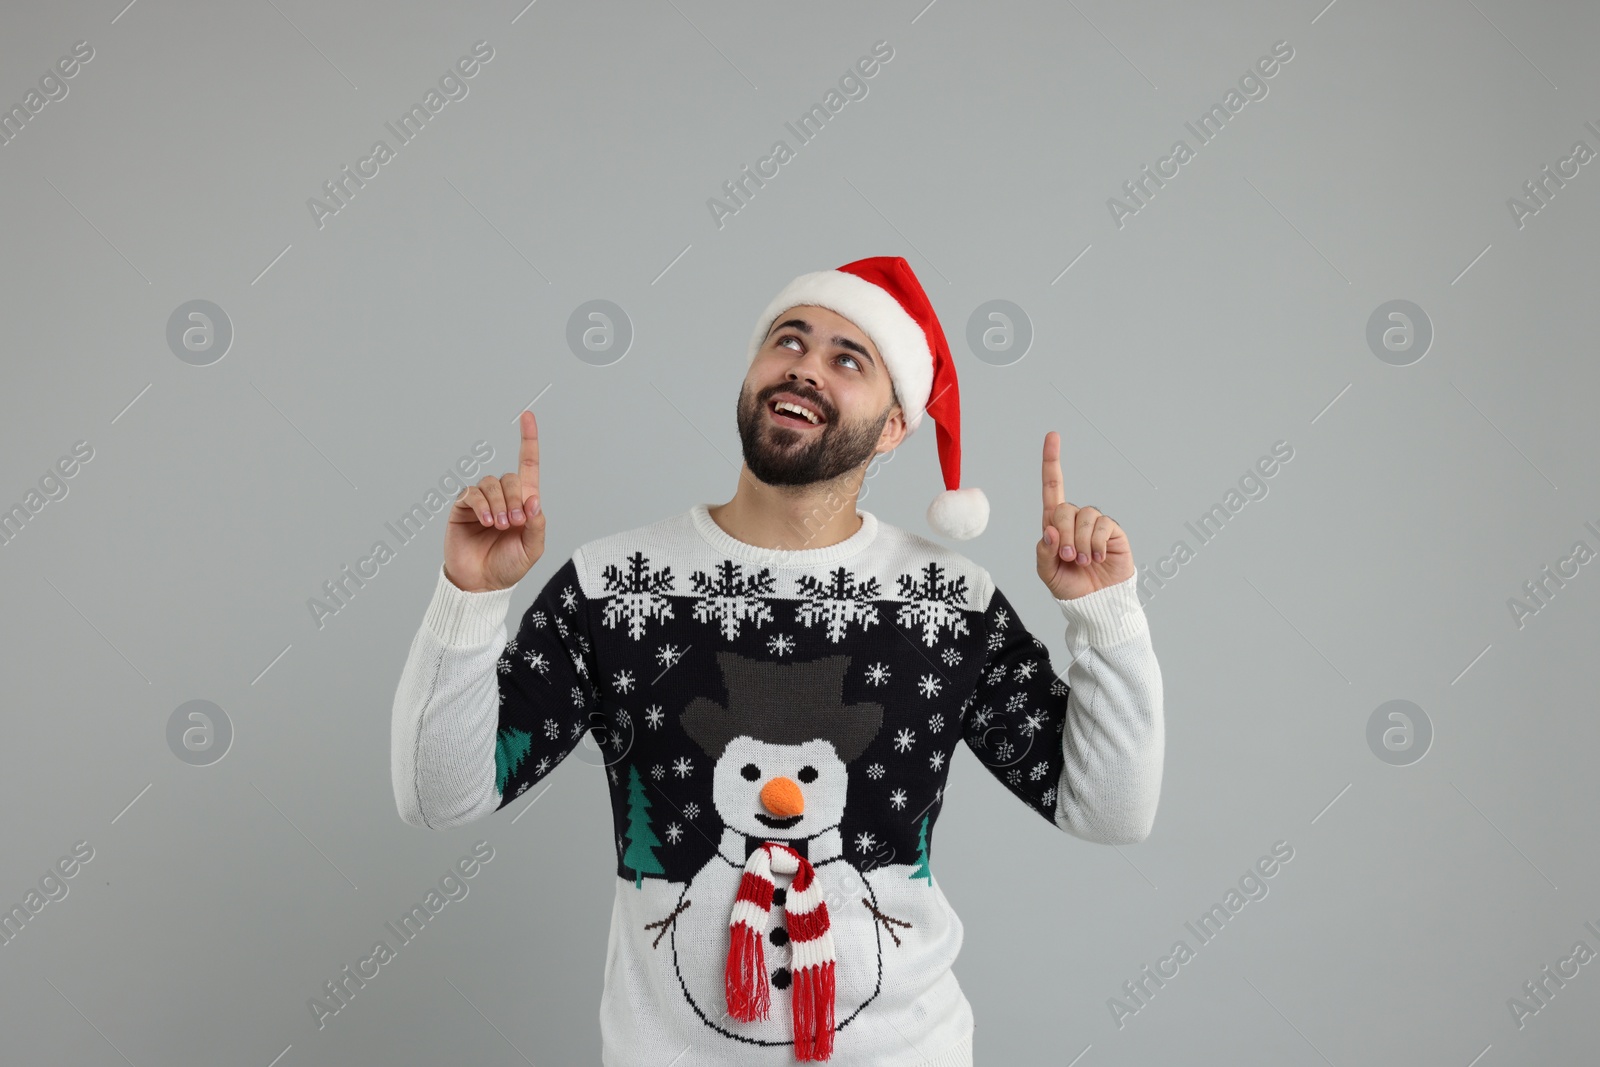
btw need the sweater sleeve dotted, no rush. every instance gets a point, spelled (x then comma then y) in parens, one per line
(1086, 752)
(477, 719)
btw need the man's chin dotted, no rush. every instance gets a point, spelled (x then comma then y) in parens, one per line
(782, 442)
(777, 472)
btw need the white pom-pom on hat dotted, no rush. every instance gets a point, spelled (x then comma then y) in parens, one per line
(959, 513)
(882, 296)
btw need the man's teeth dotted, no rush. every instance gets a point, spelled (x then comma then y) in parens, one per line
(784, 405)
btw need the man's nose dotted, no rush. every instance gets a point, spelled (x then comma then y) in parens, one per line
(808, 367)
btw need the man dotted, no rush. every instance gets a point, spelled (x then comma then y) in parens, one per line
(778, 685)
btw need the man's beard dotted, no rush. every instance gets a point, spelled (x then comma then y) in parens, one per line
(773, 457)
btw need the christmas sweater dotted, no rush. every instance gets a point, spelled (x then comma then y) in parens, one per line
(734, 696)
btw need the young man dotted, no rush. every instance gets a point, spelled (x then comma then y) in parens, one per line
(778, 685)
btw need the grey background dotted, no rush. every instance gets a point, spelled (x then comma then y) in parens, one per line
(1230, 313)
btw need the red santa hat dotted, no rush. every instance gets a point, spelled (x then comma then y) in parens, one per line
(883, 298)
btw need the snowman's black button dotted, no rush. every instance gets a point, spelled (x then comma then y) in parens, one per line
(779, 936)
(780, 978)
(780, 895)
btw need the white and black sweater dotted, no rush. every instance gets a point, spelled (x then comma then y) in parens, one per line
(705, 669)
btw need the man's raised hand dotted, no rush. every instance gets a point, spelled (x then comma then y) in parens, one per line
(1082, 550)
(496, 530)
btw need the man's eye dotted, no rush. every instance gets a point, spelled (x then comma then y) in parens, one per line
(790, 337)
(853, 360)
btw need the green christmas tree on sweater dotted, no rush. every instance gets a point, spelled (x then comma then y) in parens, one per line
(510, 749)
(642, 840)
(922, 870)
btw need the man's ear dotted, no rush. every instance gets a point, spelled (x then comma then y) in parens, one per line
(894, 429)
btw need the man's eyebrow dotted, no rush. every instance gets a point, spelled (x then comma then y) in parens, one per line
(843, 342)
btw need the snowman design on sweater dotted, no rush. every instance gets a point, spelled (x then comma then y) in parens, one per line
(732, 702)
(782, 749)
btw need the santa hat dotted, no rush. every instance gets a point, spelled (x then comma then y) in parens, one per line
(812, 966)
(883, 297)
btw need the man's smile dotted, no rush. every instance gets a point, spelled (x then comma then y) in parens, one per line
(781, 409)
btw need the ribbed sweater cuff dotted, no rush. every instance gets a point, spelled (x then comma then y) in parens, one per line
(1108, 616)
(465, 620)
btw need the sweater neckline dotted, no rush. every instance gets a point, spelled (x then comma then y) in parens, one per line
(726, 543)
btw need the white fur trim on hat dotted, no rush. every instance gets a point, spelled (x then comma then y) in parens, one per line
(898, 337)
(960, 514)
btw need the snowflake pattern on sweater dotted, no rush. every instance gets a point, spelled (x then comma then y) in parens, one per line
(623, 664)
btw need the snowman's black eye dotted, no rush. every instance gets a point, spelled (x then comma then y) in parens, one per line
(808, 774)
(750, 771)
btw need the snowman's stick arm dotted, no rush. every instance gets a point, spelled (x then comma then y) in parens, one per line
(886, 920)
(668, 921)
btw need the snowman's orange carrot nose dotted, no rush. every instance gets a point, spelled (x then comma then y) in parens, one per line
(783, 797)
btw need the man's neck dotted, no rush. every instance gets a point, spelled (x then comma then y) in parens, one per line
(790, 517)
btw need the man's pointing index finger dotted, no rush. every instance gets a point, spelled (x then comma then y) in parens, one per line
(1054, 492)
(528, 459)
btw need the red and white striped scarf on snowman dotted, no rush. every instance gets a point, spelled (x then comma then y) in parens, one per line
(810, 937)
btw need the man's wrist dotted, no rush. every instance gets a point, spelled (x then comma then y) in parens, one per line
(445, 567)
